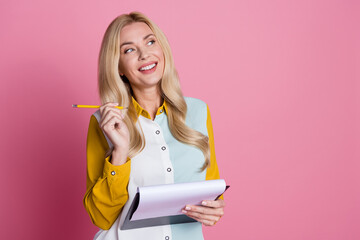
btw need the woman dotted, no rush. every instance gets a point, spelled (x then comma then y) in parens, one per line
(161, 138)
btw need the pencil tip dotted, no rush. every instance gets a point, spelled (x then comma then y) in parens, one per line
(74, 105)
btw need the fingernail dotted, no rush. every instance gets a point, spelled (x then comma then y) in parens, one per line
(188, 208)
(204, 203)
(184, 211)
(115, 103)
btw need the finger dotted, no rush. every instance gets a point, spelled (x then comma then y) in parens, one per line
(214, 204)
(208, 223)
(105, 109)
(209, 217)
(205, 221)
(205, 210)
(113, 122)
(109, 113)
(202, 216)
(109, 104)
(110, 120)
(102, 107)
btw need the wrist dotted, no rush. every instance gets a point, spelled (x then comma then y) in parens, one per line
(118, 157)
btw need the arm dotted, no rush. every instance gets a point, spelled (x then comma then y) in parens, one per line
(106, 185)
(211, 211)
(212, 171)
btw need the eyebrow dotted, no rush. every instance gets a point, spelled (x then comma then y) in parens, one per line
(125, 43)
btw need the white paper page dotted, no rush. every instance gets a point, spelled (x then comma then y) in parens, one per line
(170, 199)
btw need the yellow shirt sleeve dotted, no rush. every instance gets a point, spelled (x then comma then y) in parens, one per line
(106, 184)
(212, 171)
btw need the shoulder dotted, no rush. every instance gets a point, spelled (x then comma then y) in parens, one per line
(94, 123)
(96, 115)
(195, 104)
(95, 131)
(196, 115)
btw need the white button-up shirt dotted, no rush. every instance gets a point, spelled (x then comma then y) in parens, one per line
(164, 160)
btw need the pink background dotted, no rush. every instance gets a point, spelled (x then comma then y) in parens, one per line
(282, 82)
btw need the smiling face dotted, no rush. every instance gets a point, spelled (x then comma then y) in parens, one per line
(141, 56)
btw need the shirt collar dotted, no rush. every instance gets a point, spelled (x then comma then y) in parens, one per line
(144, 113)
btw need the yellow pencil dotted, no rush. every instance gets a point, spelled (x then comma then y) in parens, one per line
(94, 106)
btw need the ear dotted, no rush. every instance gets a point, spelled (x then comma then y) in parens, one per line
(120, 72)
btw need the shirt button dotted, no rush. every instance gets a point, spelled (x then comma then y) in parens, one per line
(157, 132)
(163, 148)
(169, 169)
(167, 238)
(113, 173)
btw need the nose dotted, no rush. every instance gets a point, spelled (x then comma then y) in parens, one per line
(143, 54)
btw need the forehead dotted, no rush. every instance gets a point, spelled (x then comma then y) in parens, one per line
(134, 32)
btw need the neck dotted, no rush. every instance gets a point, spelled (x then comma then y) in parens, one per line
(149, 99)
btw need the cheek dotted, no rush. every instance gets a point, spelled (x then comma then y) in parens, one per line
(122, 66)
(127, 66)
(163, 62)
(161, 57)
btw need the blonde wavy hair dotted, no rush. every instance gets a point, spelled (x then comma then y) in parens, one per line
(114, 88)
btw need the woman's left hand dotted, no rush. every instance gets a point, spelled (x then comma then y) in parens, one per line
(208, 214)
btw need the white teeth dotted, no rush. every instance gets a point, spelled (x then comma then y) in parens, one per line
(148, 67)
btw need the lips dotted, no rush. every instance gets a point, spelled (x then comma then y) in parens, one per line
(147, 64)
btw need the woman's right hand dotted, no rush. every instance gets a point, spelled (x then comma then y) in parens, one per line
(116, 130)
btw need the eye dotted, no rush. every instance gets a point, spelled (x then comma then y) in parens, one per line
(127, 50)
(152, 42)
